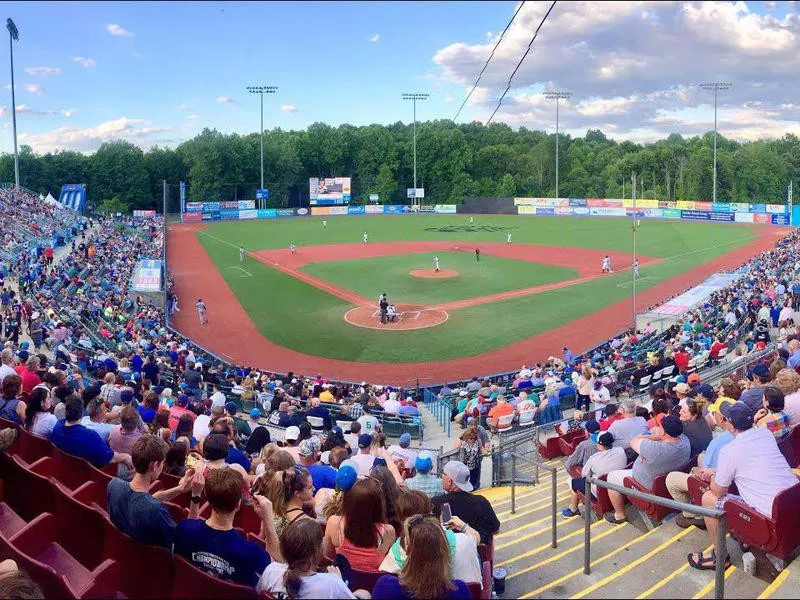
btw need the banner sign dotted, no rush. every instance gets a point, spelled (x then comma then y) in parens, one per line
(191, 217)
(183, 196)
(671, 213)
(144, 213)
(776, 209)
(607, 211)
(267, 213)
(374, 197)
(640, 203)
(703, 205)
(762, 218)
(564, 210)
(743, 217)
(147, 276)
(396, 208)
(210, 216)
(246, 204)
(721, 207)
(739, 207)
(415, 193)
(635, 212)
(581, 210)
(262, 194)
(780, 219)
(757, 208)
(577, 202)
(285, 212)
(229, 204)
(374, 209)
(355, 210)
(685, 204)
(654, 213)
(329, 190)
(194, 206)
(541, 210)
(248, 214)
(526, 210)
(445, 208)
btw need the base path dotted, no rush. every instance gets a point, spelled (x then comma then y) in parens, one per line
(232, 333)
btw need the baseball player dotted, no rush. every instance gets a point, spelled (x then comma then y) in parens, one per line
(436, 263)
(478, 254)
(324, 224)
(636, 269)
(292, 248)
(241, 253)
(508, 239)
(365, 239)
(471, 220)
(201, 311)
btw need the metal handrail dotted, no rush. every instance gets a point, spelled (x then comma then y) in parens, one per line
(720, 548)
(553, 491)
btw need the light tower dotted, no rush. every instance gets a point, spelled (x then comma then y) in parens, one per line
(414, 96)
(557, 96)
(716, 86)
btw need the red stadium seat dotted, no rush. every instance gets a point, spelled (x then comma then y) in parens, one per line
(92, 494)
(600, 505)
(28, 492)
(567, 443)
(486, 551)
(33, 447)
(575, 471)
(697, 487)
(655, 511)
(790, 448)
(70, 470)
(778, 534)
(80, 529)
(148, 570)
(190, 582)
(10, 523)
(178, 513)
(58, 573)
(482, 590)
(247, 519)
(364, 580)
(553, 446)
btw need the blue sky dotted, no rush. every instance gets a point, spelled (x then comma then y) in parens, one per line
(160, 72)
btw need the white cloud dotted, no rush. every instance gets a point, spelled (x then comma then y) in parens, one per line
(448, 97)
(226, 100)
(27, 109)
(183, 106)
(628, 83)
(193, 117)
(42, 71)
(289, 108)
(33, 88)
(118, 31)
(88, 139)
(84, 62)
(375, 38)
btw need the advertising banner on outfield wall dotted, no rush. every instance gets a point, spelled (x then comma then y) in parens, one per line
(640, 203)
(721, 207)
(581, 211)
(740, 207)
(743, 217)
(191, 217)
(703, 205)
(757, 208)
(211, 216)
(776, 209)
(762, 218)
(445, 208)
(250, 213)
(285, 212)
(577, 202)
(666, 204)
(229, 204)
(607, 211)
(724, 217)
(526, 210)
(671, 213)
(247, 204)
(355, 210)
(635, 212)
(654, 213)
(374, 209)
(396, 208)
(780, 219)
(705, 215)
(267, 213)
(228, 214)
(685, 204)
(194, 207)
(543, 202)
(564, 211)
(543, 210)
(320, 211)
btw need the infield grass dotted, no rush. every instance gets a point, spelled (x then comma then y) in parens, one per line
(301, 317)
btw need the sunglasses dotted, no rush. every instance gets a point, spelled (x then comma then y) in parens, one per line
(417, 519)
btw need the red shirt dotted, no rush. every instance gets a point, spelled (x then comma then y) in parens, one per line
(681, 360)
(29, 380)
(606, 423)
(175, 414)
(715, 348)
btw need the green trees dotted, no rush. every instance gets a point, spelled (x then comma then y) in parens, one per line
(453, 161)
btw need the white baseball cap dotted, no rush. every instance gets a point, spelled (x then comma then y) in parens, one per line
(459, 473)
(292, 433)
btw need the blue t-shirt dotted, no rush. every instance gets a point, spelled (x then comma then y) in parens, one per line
(323, 476)
(82, 442)
(147, 414)
(139, 515)
(711, 454)
(237, 457)
(388, 588)
(224, 554)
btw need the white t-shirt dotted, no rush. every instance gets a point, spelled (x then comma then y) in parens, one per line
(407, 454)
(5, 371)
(391, 407)
(200, 430)
(318, 585)
(364, 462)
(368, 423)
(217, 399)
(752, 461)
(43, 424)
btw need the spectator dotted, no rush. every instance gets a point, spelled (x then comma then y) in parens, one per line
(754, 463)
(599, 394)
(12, 408)
(73, 438)
(757, 379)
(16, 584)
(611, 413)
(213, 546)
(292, 438)
(771, 415)
(628, 427)
(694, 426)
(6, 364)
(289, 492)
(329, 503)
(428, 566)
(29, 375)
(585, 385)
(185, 429)
(299, 576)
(175, 462)
(607, 458)
(352, 437)
(216, 449)
(137, 513)
(252, 420)
(322, 476)
(472, 509)
(38, 418)
(586, 448)
(320, 412)
(655, 457)
(240, 425)
(179, 409)
(788, 381)
(364, 459)
(256, 442)
(425, 481)
(402, 452)
(470, 453)
(501, 409)
(202, 421)
(361, 534)
(95, 420)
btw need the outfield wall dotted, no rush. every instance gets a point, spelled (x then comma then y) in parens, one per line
(687, 210)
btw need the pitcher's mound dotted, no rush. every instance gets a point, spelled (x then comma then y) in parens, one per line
(432, 274)
(409, 316)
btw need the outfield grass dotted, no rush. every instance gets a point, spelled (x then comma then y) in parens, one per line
(372, 276)
(299, 316)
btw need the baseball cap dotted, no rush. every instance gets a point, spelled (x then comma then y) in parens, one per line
(606, 439)
(462, 393)
(126, 396)
(307, 447)
(231, 407)
(682, 388)
(717, 406)
(693, 378)
(459, 473)
(424, 463)
(255, 414)
(672, 425)
(405, 440)
(292, 433)
(364, 440)
(346, 477)
(739, 414)
(704, 390)
(592, 426)
(336, 430)
(760, 370)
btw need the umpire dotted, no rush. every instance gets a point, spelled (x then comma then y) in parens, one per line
(384, 307)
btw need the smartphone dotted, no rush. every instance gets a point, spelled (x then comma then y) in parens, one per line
(447, 514)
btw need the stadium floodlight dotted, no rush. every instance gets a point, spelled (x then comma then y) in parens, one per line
(557, 95)
(414, 96)
(261, 90)
(716, 86)
(13, 36)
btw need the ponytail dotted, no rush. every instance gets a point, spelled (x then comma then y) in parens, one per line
(292, 581)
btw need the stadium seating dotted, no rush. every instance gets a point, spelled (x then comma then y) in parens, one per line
(790, 448)
(32, 447)
(80, 529)
(778, 534)
(192, 583)
(655, 511)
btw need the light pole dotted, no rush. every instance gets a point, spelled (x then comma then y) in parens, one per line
(633, 269)
(557, 95)
(261, 90)
(13, 36)
(414, 96)
(716, 86)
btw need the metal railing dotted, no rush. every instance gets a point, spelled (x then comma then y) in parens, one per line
(720, 547)
(439, 407)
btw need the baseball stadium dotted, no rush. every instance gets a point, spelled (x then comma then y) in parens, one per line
(470, 354)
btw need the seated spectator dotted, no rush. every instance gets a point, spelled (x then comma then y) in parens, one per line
(322, 476)
(788, 381)
(409, 409)
(428, 565)
(472, 509)
(29, 377)
(175, 462)
(628, 427)
(362, 533)
(202, 421)
(180, 408)
(425, 481)
(16, 584)
(694, 426)
(678, 481)
(292, 439)
(320, 412)
(757, 379)
(754, 463)
(252, 419)
(611, 413)
(368, 422)
(607, 458)
(661, 408)
(149, 408)
(73, 438)
(299, 576)
(213, 546)
(352, 437)
(38, 418)
(392, 404)
(289, 491)
(235, 456)
(12, 408)
(364, 459)
(95, 420)
(327, 502)
(216, 449)
(771, 415)
(655, 458)
(501, 409)
(586, 448)
(257, 440)
(185, 429)
(402, 452)
(140, 515)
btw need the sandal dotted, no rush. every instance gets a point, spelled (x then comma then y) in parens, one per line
(613, 520)
(705, 563)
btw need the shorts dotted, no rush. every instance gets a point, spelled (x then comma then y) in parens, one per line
(618, 477)
(723, 499)
(578, 484)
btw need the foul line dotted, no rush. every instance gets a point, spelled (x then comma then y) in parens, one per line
(246, 273)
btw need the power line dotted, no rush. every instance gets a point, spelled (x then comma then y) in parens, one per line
(500, 39)
(519, 64)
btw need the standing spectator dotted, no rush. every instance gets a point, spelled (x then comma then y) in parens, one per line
(471, 454)
(474, 510)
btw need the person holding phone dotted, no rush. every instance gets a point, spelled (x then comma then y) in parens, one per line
(474, 510)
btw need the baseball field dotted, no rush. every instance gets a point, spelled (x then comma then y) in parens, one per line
(316, 310)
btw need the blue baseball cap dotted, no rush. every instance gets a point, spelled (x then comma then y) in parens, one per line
(405, 440)
(346, 478)
(255, 414)
(424, 463)
(336, 430)
(364, 440)
(231, 407)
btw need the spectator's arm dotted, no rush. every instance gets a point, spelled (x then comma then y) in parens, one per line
(184, 485)
(636, 444)
(125, 459)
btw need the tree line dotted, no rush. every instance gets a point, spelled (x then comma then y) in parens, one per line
(453, 161)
